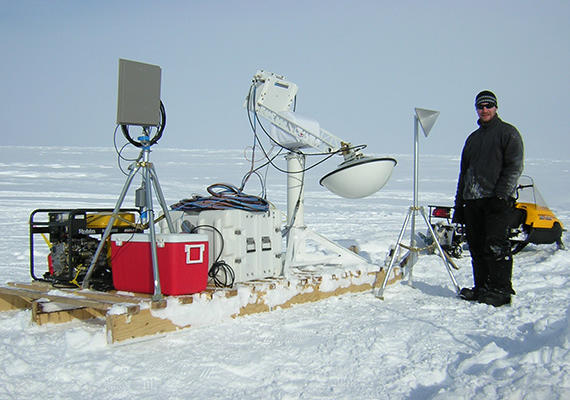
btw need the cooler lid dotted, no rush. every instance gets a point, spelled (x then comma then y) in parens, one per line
(160, 237)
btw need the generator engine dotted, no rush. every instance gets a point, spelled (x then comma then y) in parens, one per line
(71, 254)
(73, 237)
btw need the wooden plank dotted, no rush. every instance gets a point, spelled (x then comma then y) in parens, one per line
(42, 315)
(316, 294)
(71, 299)
(112, 296)
(123, 327)
(13, 302)
(35, 285)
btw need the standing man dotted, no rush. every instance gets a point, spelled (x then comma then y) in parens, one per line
(491, 164)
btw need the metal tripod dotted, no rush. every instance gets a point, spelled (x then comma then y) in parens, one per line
(414, 251)
(426, 118)
(149, 180)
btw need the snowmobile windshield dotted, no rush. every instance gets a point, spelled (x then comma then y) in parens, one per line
(528, 193)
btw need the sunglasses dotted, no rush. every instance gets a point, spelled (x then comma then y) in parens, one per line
(487, 106)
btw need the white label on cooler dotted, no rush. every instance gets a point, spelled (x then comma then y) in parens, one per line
(189, 247)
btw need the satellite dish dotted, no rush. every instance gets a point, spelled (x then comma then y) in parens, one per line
(360, 177)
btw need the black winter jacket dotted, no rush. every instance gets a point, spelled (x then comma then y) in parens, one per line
(491, 162)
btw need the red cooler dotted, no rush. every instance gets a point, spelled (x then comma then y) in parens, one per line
(182, 262)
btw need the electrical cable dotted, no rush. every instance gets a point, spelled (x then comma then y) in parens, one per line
(120, 151)
(252, 169)
(219, 266)
(254, 123)
(258, 121)
(230, 197)
(222, 268)
(262, 181)
(160, 129)
(288, 227)
(339, 151)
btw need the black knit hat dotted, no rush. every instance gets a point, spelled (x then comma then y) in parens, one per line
(486, 96)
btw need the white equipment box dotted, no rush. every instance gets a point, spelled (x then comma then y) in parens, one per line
(251, 243)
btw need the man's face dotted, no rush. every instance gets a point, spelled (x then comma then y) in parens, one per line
(486, 111)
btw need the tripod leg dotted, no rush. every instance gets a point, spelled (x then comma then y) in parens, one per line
(441, 253)
(147, 179)
(413, 254)
(107, 232)
(380, 293)
(161, 199)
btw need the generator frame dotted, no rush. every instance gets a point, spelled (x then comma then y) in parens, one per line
(75, 226)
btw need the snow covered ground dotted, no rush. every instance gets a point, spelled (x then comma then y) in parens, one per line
(421, 342)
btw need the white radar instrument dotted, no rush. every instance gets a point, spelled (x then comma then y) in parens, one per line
(273, 97)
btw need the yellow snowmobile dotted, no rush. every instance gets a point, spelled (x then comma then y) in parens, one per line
(533, 221)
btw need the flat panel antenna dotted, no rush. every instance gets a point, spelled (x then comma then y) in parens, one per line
(139, 94)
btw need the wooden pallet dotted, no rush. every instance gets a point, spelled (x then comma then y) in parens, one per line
(132, 315)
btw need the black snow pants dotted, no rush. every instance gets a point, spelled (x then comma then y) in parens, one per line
(487, 229)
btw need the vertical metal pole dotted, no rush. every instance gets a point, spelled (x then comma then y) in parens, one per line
(150, 212)
(416, 173)
(295, 190)
(414, 207)
(161, 199)
(295, 208)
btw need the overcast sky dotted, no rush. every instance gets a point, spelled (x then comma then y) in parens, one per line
(361, 68)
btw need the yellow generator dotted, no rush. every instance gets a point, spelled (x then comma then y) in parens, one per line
(72, 237)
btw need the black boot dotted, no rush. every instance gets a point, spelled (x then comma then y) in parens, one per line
(499, 287)
(469, 294)
(495, 297)
(480, 277)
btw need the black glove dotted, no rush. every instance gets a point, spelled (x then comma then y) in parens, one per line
(458, 214)
(501, 203)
